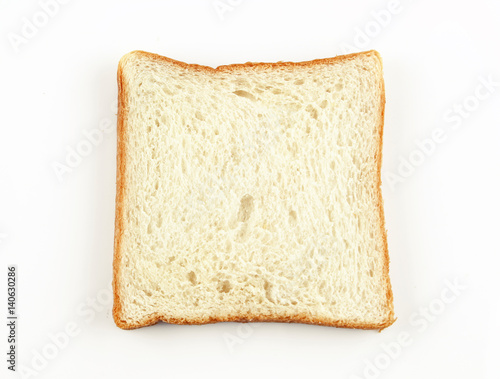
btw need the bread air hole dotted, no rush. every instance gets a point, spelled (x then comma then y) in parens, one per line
(199, 116)
(312, 111)
(245, 94)
(224, 286)
(246, 208)
(167, 91)
(268, 288)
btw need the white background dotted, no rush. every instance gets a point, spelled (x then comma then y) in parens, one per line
(442, 215)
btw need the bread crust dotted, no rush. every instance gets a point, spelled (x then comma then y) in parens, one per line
(121, 190)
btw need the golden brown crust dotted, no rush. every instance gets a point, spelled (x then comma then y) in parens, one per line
(390, 302)
(239, 66)
(302, 319)
(120, 196)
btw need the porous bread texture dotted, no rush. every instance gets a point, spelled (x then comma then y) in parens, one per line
(251, 193)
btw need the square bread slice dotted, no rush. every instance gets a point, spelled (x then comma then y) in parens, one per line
(251, 192)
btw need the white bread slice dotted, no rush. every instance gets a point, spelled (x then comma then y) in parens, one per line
(251, 192)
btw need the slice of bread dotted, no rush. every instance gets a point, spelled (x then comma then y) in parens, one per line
(251, 192)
